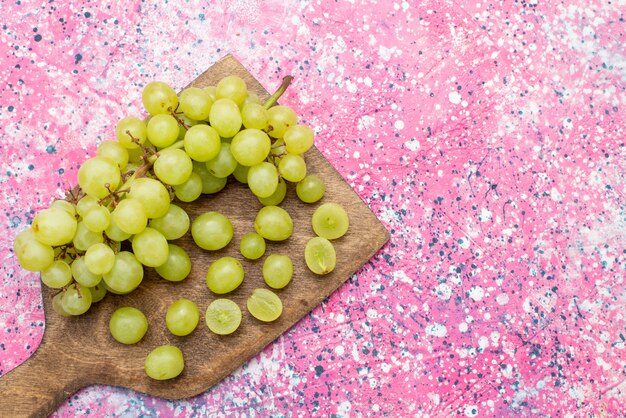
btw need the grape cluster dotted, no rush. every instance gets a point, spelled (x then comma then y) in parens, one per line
(123, 214)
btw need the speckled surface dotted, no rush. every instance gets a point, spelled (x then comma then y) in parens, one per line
(487, 137)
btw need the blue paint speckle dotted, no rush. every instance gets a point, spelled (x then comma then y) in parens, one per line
(51, 149)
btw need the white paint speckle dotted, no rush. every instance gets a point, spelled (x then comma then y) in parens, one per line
(399, 125)
(476, 293)
(454, 97)
(437, 330)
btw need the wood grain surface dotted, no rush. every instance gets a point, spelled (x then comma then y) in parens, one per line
(79, 351)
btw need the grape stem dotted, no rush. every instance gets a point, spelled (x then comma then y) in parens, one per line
(281, 89)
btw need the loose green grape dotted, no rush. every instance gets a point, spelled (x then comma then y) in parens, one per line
(310, 189)
(85, 238)
(164, 362)
(298, 139)
(189, 190)
(263, 179)
(76, 300)
(277, 197)
(292, 168)
(158, 97)
(224, 275)
(264, 305)
(320, 256)
(162, 130)
(128, 325)
(114, 151)
(97, 219)
(330, 221)
(131, 132)
(195, 103)
(99, 259)
(98, 176)
(212, 231)
(126, 275)
(130, 216)
(150, 247)
(254, 116)
(178, 264)
(232, 87)
(273, 223)
(57, 275)
(174, 224)
(277, 270)
(250, 147)
(173, 166)
(65, 205)
(280, 118)
(202, 143)
(252, 246)
(182, 317)
(98, 292)
(210, 183)
(83, 275)
(152, 194)
(224, 163)
(223, 316)
(225, 117)
(54, 226)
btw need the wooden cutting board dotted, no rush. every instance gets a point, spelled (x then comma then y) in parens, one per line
(79, 351)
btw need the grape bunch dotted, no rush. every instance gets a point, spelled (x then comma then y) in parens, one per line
(122, 216)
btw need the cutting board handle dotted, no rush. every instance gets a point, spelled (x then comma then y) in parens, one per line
(37, 387)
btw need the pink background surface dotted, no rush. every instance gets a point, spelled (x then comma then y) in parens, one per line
(487, 136)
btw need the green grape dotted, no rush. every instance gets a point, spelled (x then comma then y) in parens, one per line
(150, 247)
(264, 305)
(23, 237)
(250, 146)
(126, 275)
(162, 130)
(241, 173)
(54, 226)
(202, 143)
(76, 299)
(158, 97)
(164, 362)
(195, 103)
(85, 204)
(280, 118)
(57, 275)
(135, 156)
(98, 176)
(330, 221)
(57, 305)
(99, 259)
(277, 270)
(273, 223)
(277, 197)
(114, 151)
(131, 132)
(254, 116)
(223, 316)
(152, 194)
(97, 219)
(178, 264)
(182, 317)
(298, 139)
(292, 168)
(184, 124)
(130, 216)
(115, 233)
(98, 292)
(32, 254)
(85, 238)
(224, 275)
(212, 231)
(225, 117)
(320, 255)
(83, 275)
(128, 325)
(211, 91)
(232, 87)
(210, 183)
(224, 164)
(263, 179)
(310, 189)
(189, 190)
(174, 224)
(65, 205)
(251, 98)
(252, 246)
(173, 166)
